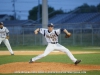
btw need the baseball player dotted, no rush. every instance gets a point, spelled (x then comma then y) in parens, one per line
(51, 36)
(4, 36)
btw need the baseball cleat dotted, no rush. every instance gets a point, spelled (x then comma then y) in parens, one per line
(77, 62)
(12, 54)
(31, 61)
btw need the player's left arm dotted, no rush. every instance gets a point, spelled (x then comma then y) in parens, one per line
(7, 35)
(66, 32)
(36, 31)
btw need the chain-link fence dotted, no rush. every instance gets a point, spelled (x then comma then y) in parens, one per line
(82, 34)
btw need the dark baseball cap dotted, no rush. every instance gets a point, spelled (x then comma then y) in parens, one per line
(50, 25)
(1, 23)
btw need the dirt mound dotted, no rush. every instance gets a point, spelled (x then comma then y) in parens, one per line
(44, 67)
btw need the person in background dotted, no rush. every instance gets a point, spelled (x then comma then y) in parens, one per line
(4, 36)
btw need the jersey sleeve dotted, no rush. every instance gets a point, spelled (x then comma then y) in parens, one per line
(58, 31)
(42, 31)
(6, 29)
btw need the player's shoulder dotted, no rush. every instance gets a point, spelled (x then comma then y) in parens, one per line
(56, 29)
(4, 27)
(42, 28)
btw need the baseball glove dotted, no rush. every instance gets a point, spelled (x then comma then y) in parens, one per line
(7, 37)
(68, 35)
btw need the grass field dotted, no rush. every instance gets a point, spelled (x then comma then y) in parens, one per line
(90, 59)
(39, 47)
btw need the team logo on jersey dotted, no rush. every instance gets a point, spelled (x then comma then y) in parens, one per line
(52, 36)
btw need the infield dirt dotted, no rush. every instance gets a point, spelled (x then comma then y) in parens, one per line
(45, 67)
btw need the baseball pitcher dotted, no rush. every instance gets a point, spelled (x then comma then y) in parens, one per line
(4, 36)
(51, 36)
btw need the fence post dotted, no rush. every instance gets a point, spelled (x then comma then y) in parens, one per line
(35, 38)
(23, 36)
(92, 37)
(17, 39)
(73, 38)
(81, 37)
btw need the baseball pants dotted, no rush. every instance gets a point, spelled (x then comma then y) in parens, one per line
(6, 42)
(52, 47)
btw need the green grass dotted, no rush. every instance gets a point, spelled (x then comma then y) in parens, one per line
(25, 47)
(40, 47)
(63, 58)
(72, 73)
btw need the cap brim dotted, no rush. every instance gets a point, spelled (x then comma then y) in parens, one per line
(50, 26)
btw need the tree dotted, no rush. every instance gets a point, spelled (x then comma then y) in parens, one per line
(33, 12)
(93, 8)
(98, 7)
(85, 8)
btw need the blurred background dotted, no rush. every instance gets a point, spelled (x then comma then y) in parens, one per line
(80, 17)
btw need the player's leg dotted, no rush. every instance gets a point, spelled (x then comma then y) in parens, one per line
(65, 50)
(0, 40)
(6, 42)
(48, 49)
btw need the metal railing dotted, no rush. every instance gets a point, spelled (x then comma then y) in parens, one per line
(84, 35)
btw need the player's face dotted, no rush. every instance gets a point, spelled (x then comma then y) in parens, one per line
(1, 26)
(50, 28)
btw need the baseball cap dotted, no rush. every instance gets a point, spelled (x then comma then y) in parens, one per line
(50, 25)
(1, 23)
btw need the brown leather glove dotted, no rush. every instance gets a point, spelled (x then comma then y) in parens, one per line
(7, 37)
(68, 35)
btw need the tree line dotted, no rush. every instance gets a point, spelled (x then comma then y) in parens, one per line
(85, 8)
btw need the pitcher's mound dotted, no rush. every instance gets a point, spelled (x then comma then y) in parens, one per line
(44, 67)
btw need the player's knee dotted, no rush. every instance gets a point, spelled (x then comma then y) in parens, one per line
(0, 42)
(44, 55)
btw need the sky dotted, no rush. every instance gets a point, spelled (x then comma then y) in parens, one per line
(23, 6)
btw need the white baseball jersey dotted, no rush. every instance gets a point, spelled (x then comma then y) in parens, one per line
(3, 32)
(50, 36)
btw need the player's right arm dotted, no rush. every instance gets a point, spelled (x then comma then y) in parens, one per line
(41, 30)
(66, 32)
(36, 31)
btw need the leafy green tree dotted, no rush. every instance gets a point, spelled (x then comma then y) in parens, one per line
(85, 8)
(98, 7)
(34, 11)
(93, 8)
